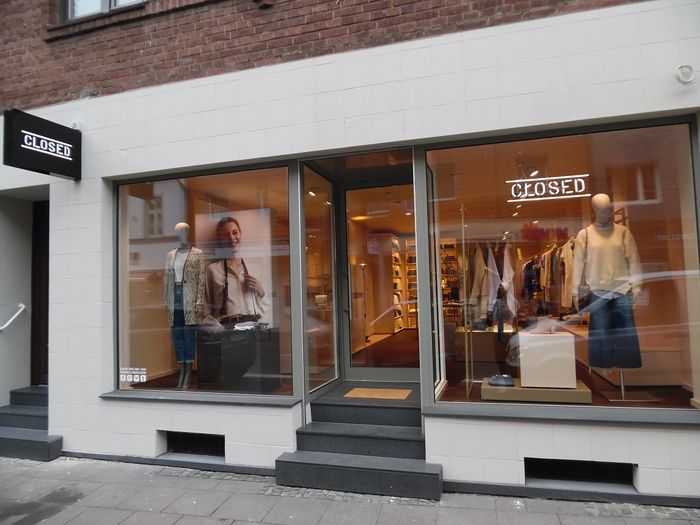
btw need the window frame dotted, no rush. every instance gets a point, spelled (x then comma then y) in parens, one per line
(106, 7)
(523, 411)
(294, 193)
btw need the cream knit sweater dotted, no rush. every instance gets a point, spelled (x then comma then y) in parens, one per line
(610, 258)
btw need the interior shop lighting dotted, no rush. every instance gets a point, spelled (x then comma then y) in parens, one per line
(312, 193)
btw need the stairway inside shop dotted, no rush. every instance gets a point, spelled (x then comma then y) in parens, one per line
(368, 445)
(24, 424)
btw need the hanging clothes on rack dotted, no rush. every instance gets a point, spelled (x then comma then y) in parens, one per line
(531, 272)
(566, 276)
(478, 298)
(507, 279)
(493, 279)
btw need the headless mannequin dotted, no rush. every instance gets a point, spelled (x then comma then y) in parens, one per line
(607, 253)
(602, 208)
(183, 232)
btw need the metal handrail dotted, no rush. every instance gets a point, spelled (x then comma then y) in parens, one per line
(8, 323)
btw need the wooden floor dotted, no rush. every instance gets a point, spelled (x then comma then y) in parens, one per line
(668, 396)
(399, 350)
(169, 382)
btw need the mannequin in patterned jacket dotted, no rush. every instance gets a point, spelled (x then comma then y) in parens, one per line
(183, 296)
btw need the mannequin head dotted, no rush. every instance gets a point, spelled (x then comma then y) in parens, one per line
(602, 207)
(182, 229)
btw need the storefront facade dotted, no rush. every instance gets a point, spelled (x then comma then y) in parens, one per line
(429, 190)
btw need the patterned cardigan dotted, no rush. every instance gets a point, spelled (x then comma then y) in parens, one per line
(193, 283)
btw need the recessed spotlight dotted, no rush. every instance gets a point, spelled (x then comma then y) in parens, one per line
(312, 193)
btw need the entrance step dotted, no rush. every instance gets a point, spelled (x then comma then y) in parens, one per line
(31, 395)
(366, 440)
(334, 412)
(24, 416)
(388, 476)
(24, 424)
(27, 443)
(372, 445)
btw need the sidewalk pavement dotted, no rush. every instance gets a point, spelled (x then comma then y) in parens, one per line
(88, 492)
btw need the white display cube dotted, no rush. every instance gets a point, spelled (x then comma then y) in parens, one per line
(547, 360)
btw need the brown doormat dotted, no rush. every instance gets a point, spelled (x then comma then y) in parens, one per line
(378, 393)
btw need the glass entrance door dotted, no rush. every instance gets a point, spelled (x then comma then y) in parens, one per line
(382, 283)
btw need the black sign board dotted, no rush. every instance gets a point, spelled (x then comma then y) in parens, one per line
(37, 144)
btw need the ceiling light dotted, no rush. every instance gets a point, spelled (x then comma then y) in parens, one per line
(534, 172)
(535, 222)
(312, 193)
(515, 214)
(327, 203)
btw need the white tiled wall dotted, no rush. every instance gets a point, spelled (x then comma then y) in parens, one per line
(595, 66)
(483, 450)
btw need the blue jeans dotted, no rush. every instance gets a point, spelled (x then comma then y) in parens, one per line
(184, 336)
(612, 336)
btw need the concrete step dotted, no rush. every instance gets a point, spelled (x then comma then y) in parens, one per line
(24, 416)
(28, 443)
(31, 395)
(367, 440)
(400, 477)
(346, 412)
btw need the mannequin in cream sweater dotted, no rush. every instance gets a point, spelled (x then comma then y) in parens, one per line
(606, 258)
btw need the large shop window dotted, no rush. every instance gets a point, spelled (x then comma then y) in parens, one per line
(204, 294)
(566, 270)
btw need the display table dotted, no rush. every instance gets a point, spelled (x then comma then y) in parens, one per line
(581, 394)
(547, 360)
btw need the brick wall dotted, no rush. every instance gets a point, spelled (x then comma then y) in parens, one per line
(160, 41)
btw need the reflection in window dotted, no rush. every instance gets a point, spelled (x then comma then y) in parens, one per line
(320, 279)
(204, 284)
(566, 275)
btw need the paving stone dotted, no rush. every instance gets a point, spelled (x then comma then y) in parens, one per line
(200, 520)
(407, 515)
(655, 521)
(464, 516)
(246, 507)
(469, 501)
(70, 492)
(181, 482)
(350, 513)
(591, 520)
(101, 516)
(30, 489)
(510, 504)
(152, 499)
(197, 503)
(288, 511)
(517, 517)
(109, 495)
(65, 515)
(32, 512)
(151, 518)
(545, 506)
(241, 487)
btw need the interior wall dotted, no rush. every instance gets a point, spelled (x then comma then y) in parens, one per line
(15, 288)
